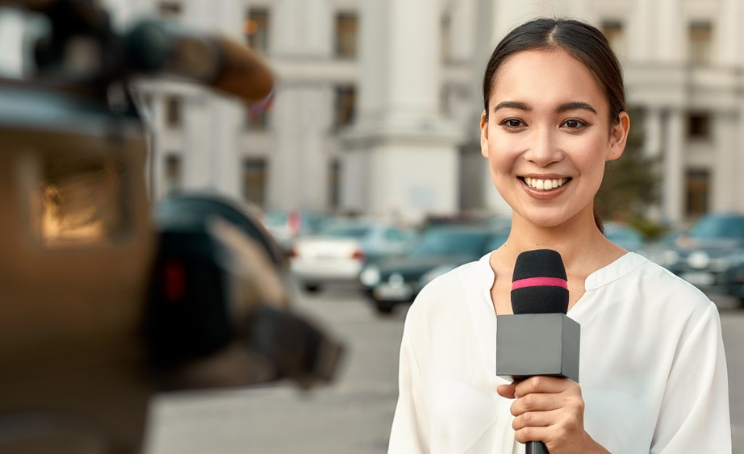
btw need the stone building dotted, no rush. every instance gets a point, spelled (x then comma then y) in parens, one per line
(377, 101)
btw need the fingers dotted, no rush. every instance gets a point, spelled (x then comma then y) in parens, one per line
(557, 426)
(550, 410)
(542, 384)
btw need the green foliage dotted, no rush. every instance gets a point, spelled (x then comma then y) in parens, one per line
(631, 183)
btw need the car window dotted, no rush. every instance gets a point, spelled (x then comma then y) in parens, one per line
(275, 218)
(354, 232)
(495, 242)
(714, 227)
(439, 243)
(393, 234)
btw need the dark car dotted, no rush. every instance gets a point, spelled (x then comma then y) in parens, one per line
(710, 255)
(399, 279)
(623, 235)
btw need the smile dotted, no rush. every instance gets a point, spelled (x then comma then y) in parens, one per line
(545, 184)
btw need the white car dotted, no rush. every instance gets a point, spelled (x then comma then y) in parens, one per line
(340, 251)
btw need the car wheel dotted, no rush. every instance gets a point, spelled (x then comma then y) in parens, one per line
(384, 307)
(312, 288)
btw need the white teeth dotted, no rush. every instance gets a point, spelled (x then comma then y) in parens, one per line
(545, 185)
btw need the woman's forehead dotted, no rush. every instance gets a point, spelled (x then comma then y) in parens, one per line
(545, 76)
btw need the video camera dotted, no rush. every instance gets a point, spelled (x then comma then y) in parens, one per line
(102, 303)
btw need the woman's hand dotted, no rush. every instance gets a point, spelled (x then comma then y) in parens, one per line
(550, 410)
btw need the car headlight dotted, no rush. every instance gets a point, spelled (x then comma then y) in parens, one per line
(370, 276)
(720, 263)
(669, 258)
(736, 259)
(435, 273)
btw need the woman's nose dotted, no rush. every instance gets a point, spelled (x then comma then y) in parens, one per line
(543, 148)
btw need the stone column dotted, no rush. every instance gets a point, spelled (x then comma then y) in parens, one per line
(642, 34)
(301, 114)
(406, 149)
(670, 32)
(652, 131)
(198, 146)
(673, 191)
(726, 173)
(730, 32)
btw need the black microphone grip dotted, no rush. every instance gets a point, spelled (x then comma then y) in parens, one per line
(536, 447)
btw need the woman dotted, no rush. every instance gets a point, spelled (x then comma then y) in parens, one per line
(653, 371)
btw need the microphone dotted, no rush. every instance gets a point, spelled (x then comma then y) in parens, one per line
(539, 339)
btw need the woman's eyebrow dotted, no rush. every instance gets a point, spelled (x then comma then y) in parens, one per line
(575, 106)
(512, 105)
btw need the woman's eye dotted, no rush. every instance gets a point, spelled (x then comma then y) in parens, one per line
(512, 123)
(574, 124)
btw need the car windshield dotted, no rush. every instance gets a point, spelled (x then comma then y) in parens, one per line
(621, 233)
(275, 218)
(714, 227)
(441, 243)
(347, 231)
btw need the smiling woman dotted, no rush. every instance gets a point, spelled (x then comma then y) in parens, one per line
(652, 365)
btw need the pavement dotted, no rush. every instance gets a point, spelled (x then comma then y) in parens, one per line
(352, 416)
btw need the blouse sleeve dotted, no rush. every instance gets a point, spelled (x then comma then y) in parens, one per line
(694, 415)
(410, 431)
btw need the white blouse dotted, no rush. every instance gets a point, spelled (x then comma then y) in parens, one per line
(652, 374)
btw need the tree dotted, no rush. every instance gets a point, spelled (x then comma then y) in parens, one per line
(631, 183)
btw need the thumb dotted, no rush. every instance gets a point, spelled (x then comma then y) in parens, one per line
(506, 391)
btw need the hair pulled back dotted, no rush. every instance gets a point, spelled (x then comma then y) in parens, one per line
(582, 41)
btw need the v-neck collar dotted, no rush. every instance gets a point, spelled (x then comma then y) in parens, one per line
(611, 272)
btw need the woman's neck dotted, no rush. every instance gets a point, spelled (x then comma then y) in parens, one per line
(579, 241)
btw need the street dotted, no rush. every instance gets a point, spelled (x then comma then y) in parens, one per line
(353, 415)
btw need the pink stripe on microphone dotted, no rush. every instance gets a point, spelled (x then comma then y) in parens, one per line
(540, 282)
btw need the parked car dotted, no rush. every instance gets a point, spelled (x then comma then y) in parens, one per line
(338, 253)
(398, 280)
(288, 225)
(624, 236)
(710, 255)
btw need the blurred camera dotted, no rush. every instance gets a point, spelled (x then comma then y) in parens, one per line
(105, 298)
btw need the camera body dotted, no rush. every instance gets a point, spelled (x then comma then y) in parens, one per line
(102, 303)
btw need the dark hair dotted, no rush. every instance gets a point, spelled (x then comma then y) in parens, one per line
(582, 41)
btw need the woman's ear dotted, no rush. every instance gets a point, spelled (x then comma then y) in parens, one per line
(484, 134)
(619, 136)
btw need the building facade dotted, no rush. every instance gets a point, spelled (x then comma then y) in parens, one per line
(377, 101)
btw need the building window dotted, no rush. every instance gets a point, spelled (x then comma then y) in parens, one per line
(334, 183)
(169, 10)
(256, 29)
(172, 174)
(345, 105)
(254, 180)
(346, 35)
(615, 34)
(698, 126)
(697, 188)
(173, 111)
(700, 35)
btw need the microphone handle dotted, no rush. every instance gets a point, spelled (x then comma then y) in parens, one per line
(536, 447)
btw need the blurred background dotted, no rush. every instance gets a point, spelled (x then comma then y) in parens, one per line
(364, 165)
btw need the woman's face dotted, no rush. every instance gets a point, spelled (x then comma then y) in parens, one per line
(548, 136)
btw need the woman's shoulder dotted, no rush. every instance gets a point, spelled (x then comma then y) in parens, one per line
(656, 283)
(461, 285)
